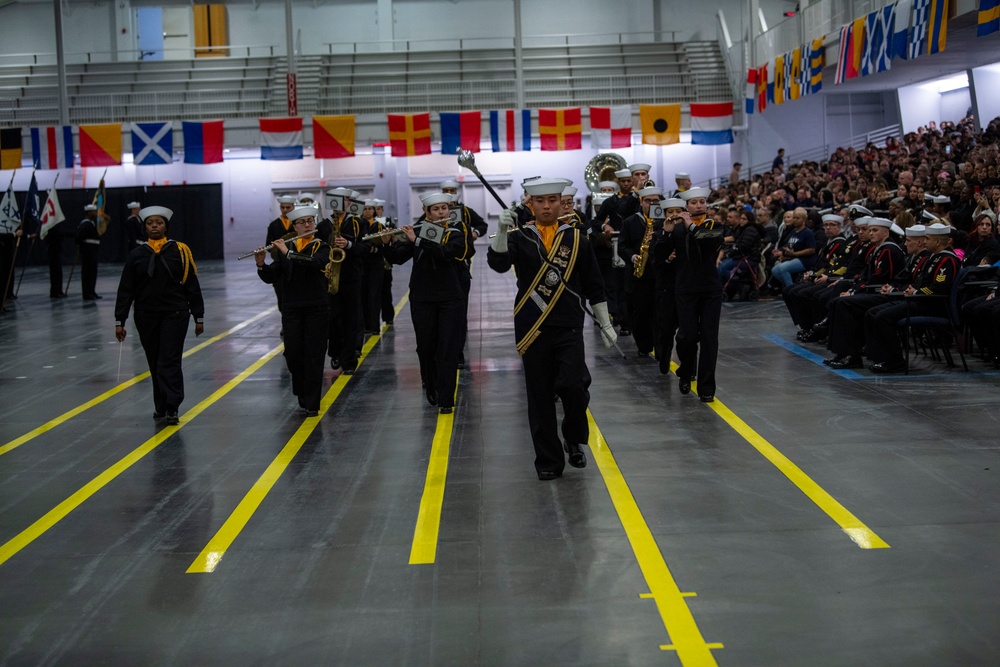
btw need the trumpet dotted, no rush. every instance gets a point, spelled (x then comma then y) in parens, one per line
(271, 245)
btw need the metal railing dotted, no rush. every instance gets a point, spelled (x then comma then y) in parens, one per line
(481, 43)
(134, 55)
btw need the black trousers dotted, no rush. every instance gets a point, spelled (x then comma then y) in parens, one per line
(88, 270)
(983, 317)
(698, 326)
(388, 307)
(819, 303)
(372, 292)
(53, 243)
(610, 288)
(847, 323)
(465, 279)
(162, 337)
(882, 335)
(438, 326)
(345, 324)
(624, 316)
(641, 297)
(666, 323)
(796, 297)
(554, 365)
(306, 329)
(8, 243)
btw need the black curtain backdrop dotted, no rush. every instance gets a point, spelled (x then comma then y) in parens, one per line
(197, 220)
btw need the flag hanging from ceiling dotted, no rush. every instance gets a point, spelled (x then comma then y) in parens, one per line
(52, 213)
(52, 147)
(852, 37)
(793, 74)
(101, 145)
(816, 62)
(877, 54)
(560, 129)
(611, 127)
(280, 138)
(901, 29)
(510, 130)
(989, 17)
(410, 134)
(712, 123)
(11, 148)
(751, 102)
(761, 88)
(770, 82)
(203, 141)
(152, 143)
(333, 136)
(461, 131)
(930, 27)
(779, 79)
(661, 123)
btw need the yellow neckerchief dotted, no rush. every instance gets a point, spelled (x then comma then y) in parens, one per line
(286, 222)
(548, 234)
(699, 220)
(157, 244)
(300, 244)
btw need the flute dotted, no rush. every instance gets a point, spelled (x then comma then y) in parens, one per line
(271, 245)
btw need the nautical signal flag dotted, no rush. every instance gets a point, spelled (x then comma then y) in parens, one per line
(510, 130)
(930, 27)
(611, 127)
(203, 141)
(761, 88)
(852, 41)
(560, 129)
(280, 138)
(989, 17)
(333, 136)
(52, 213)
(461, 131)
(152, 143)
(877, 53)
(101, 145)
(52, 147)
(712, 123)
(410, 134)
(816, 62)
(751, 102)
(11, 149)
(661, 123)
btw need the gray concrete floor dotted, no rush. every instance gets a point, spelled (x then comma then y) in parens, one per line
(526, 572)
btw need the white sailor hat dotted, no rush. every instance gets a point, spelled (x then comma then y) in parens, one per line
(430, 198)
(161, 211)
(896, 229)
(623, 173)
(718, 203)
(286, 199)
(650, 191)
(862, 221)
(608, 184)
(858, 208)
(928, 197)
(379, 202)
(307, 195)
(547, 186)
(339, 192)
(942, 199)
(896, 200)
(879, 222)
(599, 199)
(673, 202)
(133, 204)
(308, 211)
(448, 183)
(355, 195)
(90, 207)
(569, 191)
(937, 229)
(916, 231)
(694, 193)
(986, 213)
(639, 166)
(836, 218)
(680, 175)
(371, 202)
(927, 215)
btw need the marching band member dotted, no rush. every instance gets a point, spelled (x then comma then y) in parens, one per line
(135, 231)
(640, 175)
(373, 268)
(568, 204)
(556, 269)
(609, 220)
(683, 181)
(299, 266)
(89, 240)
(386, 304)
(277, 228)
(640, 290)
(665, 272)
(437, 298)
(345, 305)
(473, 226)
(161, 279)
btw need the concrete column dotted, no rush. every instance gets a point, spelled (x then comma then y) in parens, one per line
(518, 56)
(386, 25)
(61, 64)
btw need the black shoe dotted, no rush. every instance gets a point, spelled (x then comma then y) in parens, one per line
(312, 413)
(349, 370)
(461, 366)
(547, 475)
(89, 298)
(664, 366)
(707, 398)
(888, 367)
(159, 414)
(172, 418)
(845, 361)
(446, 411)
(684, 385)
(61, 295)
(814, 336)
(432, 398)
(335, 364)
(577, 458)
(624, 331)
(801, 334)
(643, 355)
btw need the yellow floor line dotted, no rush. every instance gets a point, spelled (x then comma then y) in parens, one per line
(66, 416)
(425, 534)
(60, 511)
(691, 647)
(216, 549)
(861, 534)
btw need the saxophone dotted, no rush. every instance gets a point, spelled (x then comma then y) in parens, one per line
(337, 257)
(640, 268)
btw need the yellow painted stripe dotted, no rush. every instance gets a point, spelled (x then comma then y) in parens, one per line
(216, 549)
(69, 414)
(863, 536)
(60, 511)
(423, 551)
(691, 647)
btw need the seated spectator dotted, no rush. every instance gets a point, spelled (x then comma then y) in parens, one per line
(796, 251)
(742, 246)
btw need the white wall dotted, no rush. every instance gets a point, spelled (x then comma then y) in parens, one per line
(955, 105)
(987, 84)
(921, 103)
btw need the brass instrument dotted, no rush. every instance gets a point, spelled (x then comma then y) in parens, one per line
(337, 257)
(640, 268)
(287, 237)
(602, 167)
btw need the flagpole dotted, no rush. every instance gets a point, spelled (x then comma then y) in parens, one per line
(72, 267)
(10, 275)
(31, 246)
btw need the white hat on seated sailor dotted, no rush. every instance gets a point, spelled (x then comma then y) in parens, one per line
(681, 175)
(90, 207)
(547, 186)
(862, 221)
(928, 197)
(448, 183)
(695, 193)
(161, 211)
(836, 218)
(430, 198)
(986, 213)
(673, 202)
(650, 191)
(916, 230)
(937, 229)
(879, 222)
(133, 204)
(942, 199)
(286, 199)
(623, 173)
(302, 212)
(858, 208)
(639, 166)
(896, 229)
(927, 215)
(569, 191)
(608, 184)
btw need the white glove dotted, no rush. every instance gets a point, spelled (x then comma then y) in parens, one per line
(608, 334)
(507, 220)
